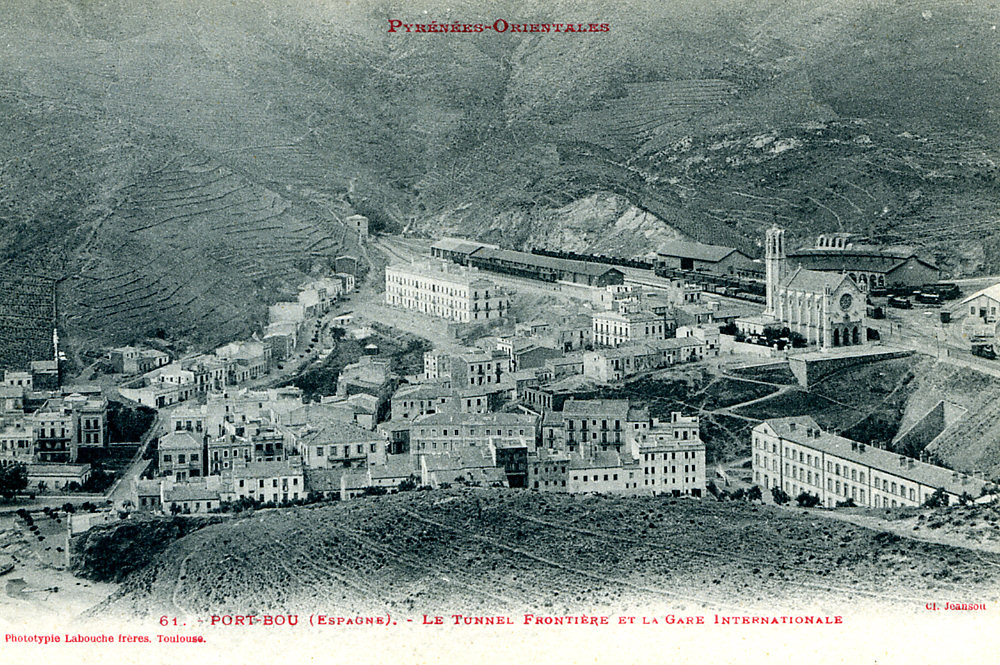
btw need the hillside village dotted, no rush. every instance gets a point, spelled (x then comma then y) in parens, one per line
(505, 394)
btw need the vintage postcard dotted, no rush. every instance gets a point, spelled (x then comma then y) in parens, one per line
(568, 331)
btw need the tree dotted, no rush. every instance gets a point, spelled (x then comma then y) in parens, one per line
(408, 484)
(755, 494)
(13, 479)
(807, 500)
(936, 500)
(779, 495)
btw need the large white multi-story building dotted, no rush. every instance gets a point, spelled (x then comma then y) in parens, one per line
(445, 290)
(796, 455)
(672, 456)
(454, 432)
(616, 328)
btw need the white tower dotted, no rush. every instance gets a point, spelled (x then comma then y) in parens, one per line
(774, 266)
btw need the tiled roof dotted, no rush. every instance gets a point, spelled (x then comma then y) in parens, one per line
(550, 262)
(500, 418)
(796, 429)
(330, 428)
(813, 281)
(694, 250)
(190, 492)
(328, 480)
(460, 245)
(179, 441)
(396, 466)
(863, 257)
(990, 292)
(266, 470)
(588, 406)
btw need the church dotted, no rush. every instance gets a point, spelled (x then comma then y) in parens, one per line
(826, 308)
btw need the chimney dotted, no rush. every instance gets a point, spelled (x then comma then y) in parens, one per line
(791, 426)
(854, 445)
(861, 447)
(902, 460)
(954, 475)
(809, 433)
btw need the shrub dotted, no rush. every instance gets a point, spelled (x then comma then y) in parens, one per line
(779, 495)
(936, 500)
(807, 500)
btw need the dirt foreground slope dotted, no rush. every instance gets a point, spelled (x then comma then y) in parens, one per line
(490, 551)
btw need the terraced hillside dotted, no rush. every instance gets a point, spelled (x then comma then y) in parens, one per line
(193, 242)
(27, 319)
(199, 154)
(498, 551)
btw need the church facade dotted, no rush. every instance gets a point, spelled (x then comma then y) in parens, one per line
(828, 309)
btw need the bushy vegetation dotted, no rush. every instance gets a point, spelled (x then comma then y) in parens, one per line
(127, 423)
(109, 553)
(807, 500)
(13, 480)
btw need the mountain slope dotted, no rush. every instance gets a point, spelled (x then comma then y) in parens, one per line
(255, 128)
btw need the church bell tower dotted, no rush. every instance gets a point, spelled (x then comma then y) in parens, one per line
(774, 266)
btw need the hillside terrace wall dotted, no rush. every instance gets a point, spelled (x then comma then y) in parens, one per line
(27, 319)
(924, 430)
(812, 367)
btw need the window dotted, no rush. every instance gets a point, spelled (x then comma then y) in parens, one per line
(166, 458)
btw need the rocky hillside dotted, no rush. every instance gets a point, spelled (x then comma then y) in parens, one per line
(489, 551)
(179, 164)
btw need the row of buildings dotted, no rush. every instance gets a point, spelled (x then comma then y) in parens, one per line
(797, 455)
(869, 266)
(165, 382)
(491, 258)
(52, 432)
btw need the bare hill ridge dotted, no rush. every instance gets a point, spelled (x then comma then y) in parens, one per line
(488, 551)
(253, 128)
